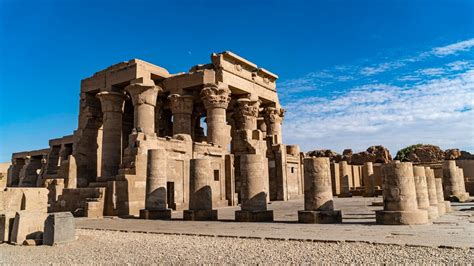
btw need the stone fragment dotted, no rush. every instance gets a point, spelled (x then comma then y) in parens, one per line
(27, 225)
(59, 228)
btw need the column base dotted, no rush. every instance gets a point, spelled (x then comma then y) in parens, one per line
(200, 215)
(345, 195)
(320, 217)
(441, 208)
(253, 216)
(448, 206)
(401, 217)
(433, 212)
(155, 214)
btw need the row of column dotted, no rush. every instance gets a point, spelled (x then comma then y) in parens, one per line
(143, 93)
(411, 195)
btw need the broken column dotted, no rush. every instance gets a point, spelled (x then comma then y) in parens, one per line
(443, 206)
(155, 198)
(200, 200)
(422, 197)
(399, 197)
(253, 193)
(451, 185)
(182, 109)
(112, 104)
(216, 100)
(432, 195)
(143, 93)
(345, 175)
(462, 184)
(318, 199)
(368, 175)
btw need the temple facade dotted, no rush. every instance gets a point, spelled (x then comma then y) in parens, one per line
(221, 111)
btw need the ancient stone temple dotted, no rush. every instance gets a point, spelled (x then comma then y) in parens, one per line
(222, 111)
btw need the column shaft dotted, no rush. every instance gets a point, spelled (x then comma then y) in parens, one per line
(156, 180)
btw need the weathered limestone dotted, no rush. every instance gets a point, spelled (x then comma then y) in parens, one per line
(432, 195)
(155, 198)
(144, 93)
(273, 119)
(462, 184)
(451, 182)
(443, 206)
(369, 179)
(399, 197)
(335, 179)
(345, 176)
(253, 194)
(182, 109)
(59, 228)
(112, 108)
(216, 100)
(318, 199)
(200, 201)
(27, 225)
(422, 197)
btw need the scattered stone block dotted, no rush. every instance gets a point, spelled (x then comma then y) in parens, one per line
(27, 225)
(59, 228)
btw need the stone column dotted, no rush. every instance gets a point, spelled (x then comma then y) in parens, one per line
(216, 100)
(253, 193)
(112, 104)
(399, 197)
(345, 175)
(200, 198)
(462, 184)
(144, 94)
(156, 195)
(443, 206)
(182, 108)
(432, 195)
(273, 119)
(369, 179)
(318, 201)
(422, 197)
(247, 113)
(451, 186)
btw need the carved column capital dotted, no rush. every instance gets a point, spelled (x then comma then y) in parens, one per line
(215, 96)
(246, 113)
(274, 114)
(142, 93)
(181, 104)
(111, 101)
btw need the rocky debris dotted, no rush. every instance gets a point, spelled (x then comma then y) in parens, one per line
(375, 154)
(421, 153)
(333, 156)
(452, 154)
(105, 247)
(456, 154)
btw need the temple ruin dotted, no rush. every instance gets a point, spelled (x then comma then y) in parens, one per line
(224, 116)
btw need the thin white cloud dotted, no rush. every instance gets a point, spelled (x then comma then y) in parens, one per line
(453, 48)
(438, 112)
(372, 70)
(433, 71)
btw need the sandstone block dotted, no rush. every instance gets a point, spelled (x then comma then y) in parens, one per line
(59, 228)
(200, 215)
(320, 217)
(27, 225)
(253, 216)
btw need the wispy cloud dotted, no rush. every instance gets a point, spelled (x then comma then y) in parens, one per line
(453, 48)
(423, 100)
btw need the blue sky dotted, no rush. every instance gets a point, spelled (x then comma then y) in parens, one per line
(352, 73)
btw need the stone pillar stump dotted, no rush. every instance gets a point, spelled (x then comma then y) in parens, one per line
(443, 206)
(200, 198)
(318, 199)
(369, 179)
(432, 195)
(451, 182)
(399, 197)
(253, 193)
(422, 197)
(345, 175)
(156, 195)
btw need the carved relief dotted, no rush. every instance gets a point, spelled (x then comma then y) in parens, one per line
(181, 104)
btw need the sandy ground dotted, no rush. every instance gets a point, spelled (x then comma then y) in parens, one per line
(106, 247)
